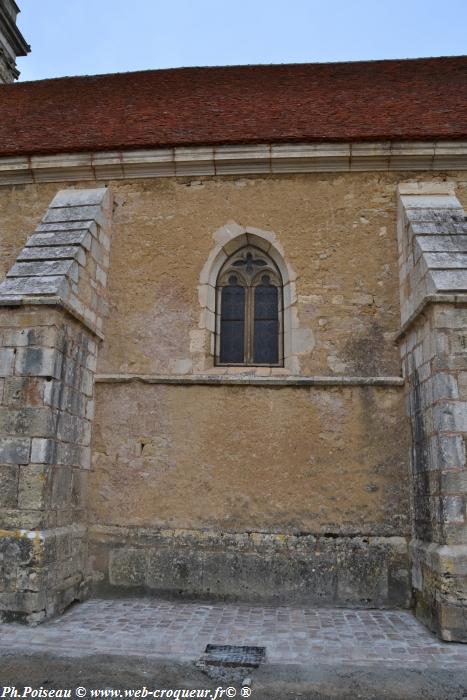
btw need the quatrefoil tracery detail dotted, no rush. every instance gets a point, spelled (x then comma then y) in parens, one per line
(249, 263)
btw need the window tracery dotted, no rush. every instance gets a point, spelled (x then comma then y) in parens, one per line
(249, 309)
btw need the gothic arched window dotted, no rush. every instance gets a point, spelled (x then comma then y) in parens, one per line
(249, 310)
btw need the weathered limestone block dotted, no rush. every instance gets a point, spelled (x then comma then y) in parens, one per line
(14, 450)
(433, 273)
(8, 486)
(313, 570)
(48, 348)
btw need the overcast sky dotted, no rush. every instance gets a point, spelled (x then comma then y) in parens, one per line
(77, 37)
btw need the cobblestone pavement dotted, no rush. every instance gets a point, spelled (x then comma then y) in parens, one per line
(158, 628)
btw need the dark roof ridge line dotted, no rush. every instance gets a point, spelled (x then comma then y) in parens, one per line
(239, 66)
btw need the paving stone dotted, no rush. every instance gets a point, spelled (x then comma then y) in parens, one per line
(154, 627)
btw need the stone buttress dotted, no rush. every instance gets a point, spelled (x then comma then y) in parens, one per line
(432, 237)
(52, 305)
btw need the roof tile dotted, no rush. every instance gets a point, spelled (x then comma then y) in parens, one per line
(415, 99)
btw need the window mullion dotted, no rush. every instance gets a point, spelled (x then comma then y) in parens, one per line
(248, 326)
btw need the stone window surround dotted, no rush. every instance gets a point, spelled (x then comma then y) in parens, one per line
(229, 239)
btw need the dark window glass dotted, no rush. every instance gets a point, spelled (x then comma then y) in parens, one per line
(266, 323)
(249, 306)
(232, 340)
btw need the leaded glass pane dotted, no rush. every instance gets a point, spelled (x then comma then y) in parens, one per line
(232, 327)
(266, 343)
(266, 323)
(266, 302)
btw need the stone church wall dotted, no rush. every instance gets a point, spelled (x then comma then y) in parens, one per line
(276, 492)
(293, 493)
(327, 225)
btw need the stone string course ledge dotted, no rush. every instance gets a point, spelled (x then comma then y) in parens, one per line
(246, 380)
(48, 360)
(235, 160)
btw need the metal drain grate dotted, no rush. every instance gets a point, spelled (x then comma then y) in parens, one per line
(232, 656)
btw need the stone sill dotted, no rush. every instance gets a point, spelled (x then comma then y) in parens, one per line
(279, 537)
(245, 380)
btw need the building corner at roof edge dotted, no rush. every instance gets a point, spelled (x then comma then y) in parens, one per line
(12, 42)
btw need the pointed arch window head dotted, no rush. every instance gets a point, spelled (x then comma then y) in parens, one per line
(249, 308)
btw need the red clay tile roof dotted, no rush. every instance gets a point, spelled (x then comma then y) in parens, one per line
(421, 99)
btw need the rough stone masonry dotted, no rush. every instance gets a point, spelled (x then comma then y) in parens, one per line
(273, 487)
(52, 303)
(432, 233)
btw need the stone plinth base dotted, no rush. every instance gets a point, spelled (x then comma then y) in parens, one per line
(440, 586)
(270, 568)
(42, 572)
